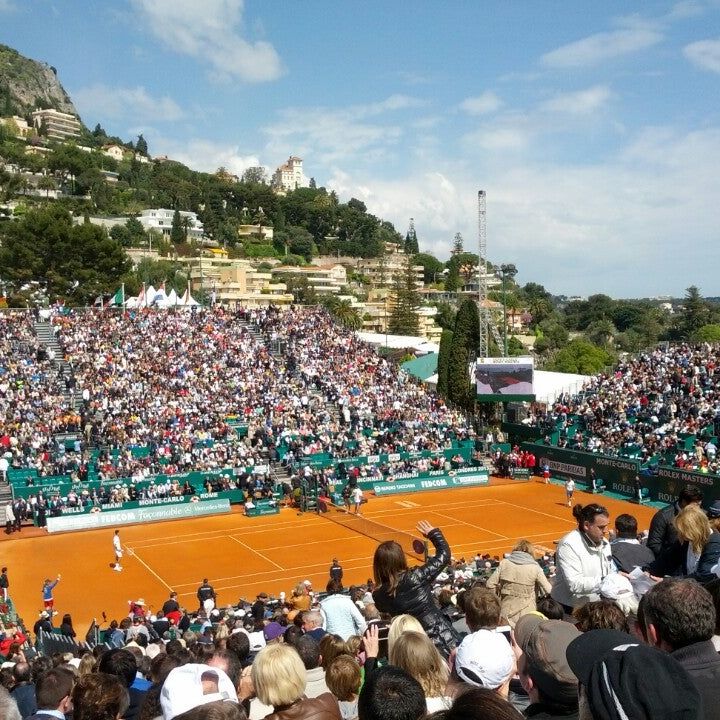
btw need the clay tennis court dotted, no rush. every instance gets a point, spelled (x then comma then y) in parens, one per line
(242, 556)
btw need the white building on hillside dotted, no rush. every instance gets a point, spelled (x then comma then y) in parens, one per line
(58, 125)
(289, 176)
(160, 220)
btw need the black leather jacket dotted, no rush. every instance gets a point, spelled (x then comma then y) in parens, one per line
(414, 596)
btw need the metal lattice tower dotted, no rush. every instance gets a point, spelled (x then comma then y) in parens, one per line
(486, 324)
(483, 313)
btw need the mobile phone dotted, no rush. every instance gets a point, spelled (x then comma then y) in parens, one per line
(506, 630)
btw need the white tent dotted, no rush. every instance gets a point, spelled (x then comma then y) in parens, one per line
(414, 342)
(159, 299)
(549, 385)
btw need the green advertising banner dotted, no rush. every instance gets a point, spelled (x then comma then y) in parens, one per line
(263, 508)
(60, 485)
(141, 514)
(426, 481)
(618, 474)
(235, 497)
(665, 484)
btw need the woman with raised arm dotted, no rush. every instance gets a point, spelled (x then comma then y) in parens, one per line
(409, 590)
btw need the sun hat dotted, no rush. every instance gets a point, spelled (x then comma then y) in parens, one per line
(484, 659)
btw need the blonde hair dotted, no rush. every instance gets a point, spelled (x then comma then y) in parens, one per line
(401, 624)
(415, 653)
(354, 644)
(525, 546)
(693, 526)
(87, 664)
(300, 589)
(278, 675)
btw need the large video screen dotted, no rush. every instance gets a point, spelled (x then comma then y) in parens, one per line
(504, 379)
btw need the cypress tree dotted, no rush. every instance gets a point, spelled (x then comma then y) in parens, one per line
(463, 349)
(443, 361)
(177, 235)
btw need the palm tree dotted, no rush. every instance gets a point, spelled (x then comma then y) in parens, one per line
(344, 313)
(47, 183)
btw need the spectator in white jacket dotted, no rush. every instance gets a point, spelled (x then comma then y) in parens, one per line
(341, 615)
(584, 558)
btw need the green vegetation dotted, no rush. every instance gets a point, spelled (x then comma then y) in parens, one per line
(463, 349)
(403, 317)
(74, 261)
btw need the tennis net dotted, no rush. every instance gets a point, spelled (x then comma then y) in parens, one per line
(411, 545)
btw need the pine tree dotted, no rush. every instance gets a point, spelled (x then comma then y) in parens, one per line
(458, 245)
(404, 318)
(694, 314)
(141, 145)
(412, 246)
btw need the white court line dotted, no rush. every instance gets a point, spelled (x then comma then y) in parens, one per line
(259, 554)
(225, 531)
(347, 565)
(540, 512)
(428, 508)
(476, 527)
(133, 553)
(257, 529)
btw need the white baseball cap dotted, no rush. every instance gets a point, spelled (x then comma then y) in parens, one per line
(485, 659)
(192, 685)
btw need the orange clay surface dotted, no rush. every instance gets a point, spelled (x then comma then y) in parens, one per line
(243, 556)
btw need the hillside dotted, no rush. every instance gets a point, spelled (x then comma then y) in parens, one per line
(26, 85)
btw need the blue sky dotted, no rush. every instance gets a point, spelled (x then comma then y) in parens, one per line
(593, 127)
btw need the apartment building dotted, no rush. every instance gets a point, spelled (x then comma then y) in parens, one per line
(58, 125)
(160, 220)
(236, 282)
(323, 280)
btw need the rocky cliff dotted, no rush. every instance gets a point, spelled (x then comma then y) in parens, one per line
(27, 85)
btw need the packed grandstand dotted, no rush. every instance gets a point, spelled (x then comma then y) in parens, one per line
(103, 409)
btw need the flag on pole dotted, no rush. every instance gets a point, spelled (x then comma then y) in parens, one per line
(119, 297)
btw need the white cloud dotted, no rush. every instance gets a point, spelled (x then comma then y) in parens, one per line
(332, 135)
(483, 104)
(211, 32)
(502, 139)
(639, 223)
(581, 102)
(204, 155)
(705, 54)
(394, 102)
(685, 9)
(126, 103)
(601, 47)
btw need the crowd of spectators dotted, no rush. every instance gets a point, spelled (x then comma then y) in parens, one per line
(513, 650)
(645, 408)
(334, 655)
(171, 381)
